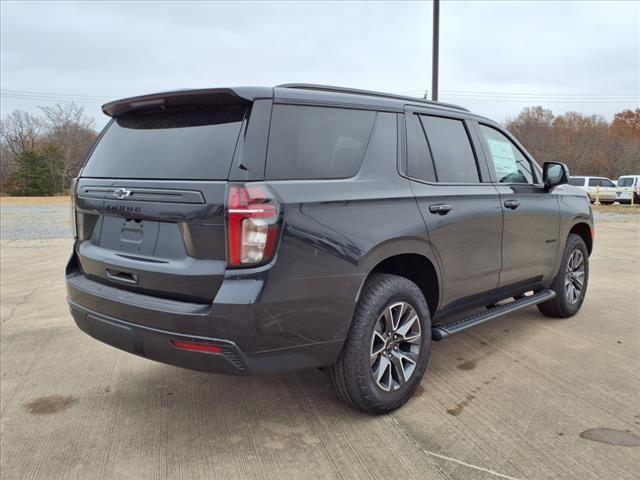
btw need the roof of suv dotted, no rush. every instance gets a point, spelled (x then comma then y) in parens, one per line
(301, 92)
(357, 95)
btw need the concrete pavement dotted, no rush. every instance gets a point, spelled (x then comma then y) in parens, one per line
(524, 396)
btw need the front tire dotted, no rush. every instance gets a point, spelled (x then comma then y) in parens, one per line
(386, 352)
(570, 284)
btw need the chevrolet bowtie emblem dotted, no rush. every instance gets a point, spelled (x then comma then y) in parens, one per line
(121, 192)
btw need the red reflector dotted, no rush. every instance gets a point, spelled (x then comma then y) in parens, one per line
(196, 347)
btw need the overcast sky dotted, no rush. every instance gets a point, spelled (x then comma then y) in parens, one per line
(496, 57)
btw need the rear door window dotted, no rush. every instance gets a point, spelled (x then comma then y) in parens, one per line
(185, 144)
(317, 142)
(594, 182)
(510, 165)
(419, 162)
(576, 181)
(450, 147)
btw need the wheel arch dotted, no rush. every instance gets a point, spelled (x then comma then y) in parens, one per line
(582, 226)
(412, 259)
(584, 231)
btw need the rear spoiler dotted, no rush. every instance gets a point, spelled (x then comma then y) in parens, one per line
(186, 98)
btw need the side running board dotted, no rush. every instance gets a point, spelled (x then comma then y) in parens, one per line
(438, 332)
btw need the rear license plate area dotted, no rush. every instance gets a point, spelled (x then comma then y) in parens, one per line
(129, 235)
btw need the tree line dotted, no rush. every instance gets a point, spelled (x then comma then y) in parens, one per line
(41, 153)
(588, 144)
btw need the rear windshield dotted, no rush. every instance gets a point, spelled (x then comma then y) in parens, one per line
(186, 144)
(625, 182)
(577, 181)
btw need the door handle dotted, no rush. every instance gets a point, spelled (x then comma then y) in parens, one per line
(441, 209)
(512, 204)
(123, 277)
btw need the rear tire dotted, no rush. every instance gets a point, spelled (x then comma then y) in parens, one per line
(386, 352)
(570, 284)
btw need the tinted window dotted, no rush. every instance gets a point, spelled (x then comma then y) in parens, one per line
(604, 182)
(419, 163)
(577, 181)
(509, 163)
(317, 142)
(594, 182)
(451, 149)
(195, 144)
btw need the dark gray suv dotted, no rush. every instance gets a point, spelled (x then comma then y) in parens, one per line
(252, 230)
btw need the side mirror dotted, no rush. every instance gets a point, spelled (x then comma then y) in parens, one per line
(554, 174)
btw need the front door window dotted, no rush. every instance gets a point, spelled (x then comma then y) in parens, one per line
(510, 164)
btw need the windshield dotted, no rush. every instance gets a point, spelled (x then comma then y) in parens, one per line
(187, 144)
(625, 182)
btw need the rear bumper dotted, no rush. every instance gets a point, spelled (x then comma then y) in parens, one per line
(255, 334)
(625, 197)
(158, 344)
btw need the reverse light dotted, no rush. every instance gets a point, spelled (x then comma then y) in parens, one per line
(253, 224)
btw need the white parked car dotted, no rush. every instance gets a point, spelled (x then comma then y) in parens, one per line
(629, 185)
(601, 186)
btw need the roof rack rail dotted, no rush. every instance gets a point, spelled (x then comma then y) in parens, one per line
(355, 91)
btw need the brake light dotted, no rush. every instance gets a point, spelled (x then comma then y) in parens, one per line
(253, 224)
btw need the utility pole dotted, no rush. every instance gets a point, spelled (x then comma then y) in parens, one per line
(434, 54)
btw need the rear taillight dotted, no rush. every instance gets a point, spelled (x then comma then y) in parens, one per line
(74, 220)
(253, 224)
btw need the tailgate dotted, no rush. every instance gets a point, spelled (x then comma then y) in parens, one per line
(150, 200)
(163, 238)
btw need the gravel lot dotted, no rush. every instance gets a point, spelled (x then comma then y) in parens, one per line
(35, 218)
(522, 397)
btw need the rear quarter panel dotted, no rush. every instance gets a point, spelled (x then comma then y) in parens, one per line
(335, 232)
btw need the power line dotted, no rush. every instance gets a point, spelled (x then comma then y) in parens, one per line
(417, 91)
(533, 100)
(571, 94)
(525, 96)
(51, 94)
(529, 98)
(56, 99)
(520, 97)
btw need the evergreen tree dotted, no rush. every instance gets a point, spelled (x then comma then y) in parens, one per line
(32, 175)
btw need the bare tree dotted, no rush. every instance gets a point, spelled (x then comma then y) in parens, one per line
(626, 124)
(69, 135)
(20, 132)
(625, 129)
(533, 127)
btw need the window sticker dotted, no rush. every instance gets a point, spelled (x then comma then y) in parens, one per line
(503, 158)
